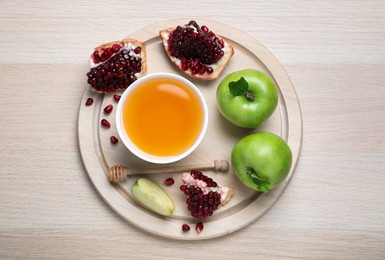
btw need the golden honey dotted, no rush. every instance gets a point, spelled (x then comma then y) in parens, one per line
(163, 116)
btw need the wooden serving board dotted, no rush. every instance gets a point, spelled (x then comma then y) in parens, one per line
(246, 205)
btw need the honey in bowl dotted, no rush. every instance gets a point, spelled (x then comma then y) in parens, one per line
(163, 116)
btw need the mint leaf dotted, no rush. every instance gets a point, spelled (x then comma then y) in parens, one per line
(262, 185)
(239, 88)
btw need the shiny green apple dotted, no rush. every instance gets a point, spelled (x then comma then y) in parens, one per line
(261, 160)
(247, 98)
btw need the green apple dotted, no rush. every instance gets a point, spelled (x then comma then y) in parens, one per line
(153, 197)
(247, 98)
(261, 160)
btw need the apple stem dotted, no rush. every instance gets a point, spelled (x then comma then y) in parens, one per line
(249, 96)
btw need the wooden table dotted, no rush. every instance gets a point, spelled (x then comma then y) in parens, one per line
(334, 206)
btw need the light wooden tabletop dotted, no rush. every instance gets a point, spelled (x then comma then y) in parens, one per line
(333, 207)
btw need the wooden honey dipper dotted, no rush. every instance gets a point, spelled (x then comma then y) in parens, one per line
(119, 173)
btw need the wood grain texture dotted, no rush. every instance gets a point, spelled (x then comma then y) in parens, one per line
(334, 206)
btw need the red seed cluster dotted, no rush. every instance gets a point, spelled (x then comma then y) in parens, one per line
(105, 53)
(117, 69)
(199, 204)
(195, 49)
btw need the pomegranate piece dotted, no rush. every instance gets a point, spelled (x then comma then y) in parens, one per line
(105, 123)
(116, 65)
(197, 51)
(114, 140)
(199, 227)
(185, 228)
(204, 194)
(168, 181)
(89, 101)
(108, 109)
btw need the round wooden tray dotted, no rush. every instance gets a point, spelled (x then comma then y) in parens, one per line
(246, 205)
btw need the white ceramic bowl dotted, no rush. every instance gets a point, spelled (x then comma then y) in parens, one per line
(128, 141)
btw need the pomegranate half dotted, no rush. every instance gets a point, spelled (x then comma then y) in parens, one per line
(197, 51)
(115, 65)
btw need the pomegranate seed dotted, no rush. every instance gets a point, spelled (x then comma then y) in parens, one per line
(105, 123)
(117, 98)
(185, 228)
(114, 140)
(115, 48)
(89, 101)
(184, 67)
(108, 109)
(199, 227)
(96, 59)
(103, 58)
(137, 50)
(209, 70)
(95, 54)
(169, 181)
(108, 52)
(222, 43)
(119, 73)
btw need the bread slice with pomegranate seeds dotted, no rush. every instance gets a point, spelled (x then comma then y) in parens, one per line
(107, 79)
(217, 66)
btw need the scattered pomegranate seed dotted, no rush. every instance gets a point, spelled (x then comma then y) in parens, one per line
(89, 101)
(114, 140)
(108, 109)
(117, 98)
(185, 228)
(105, 123)
(169, 181)
(199, 227)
